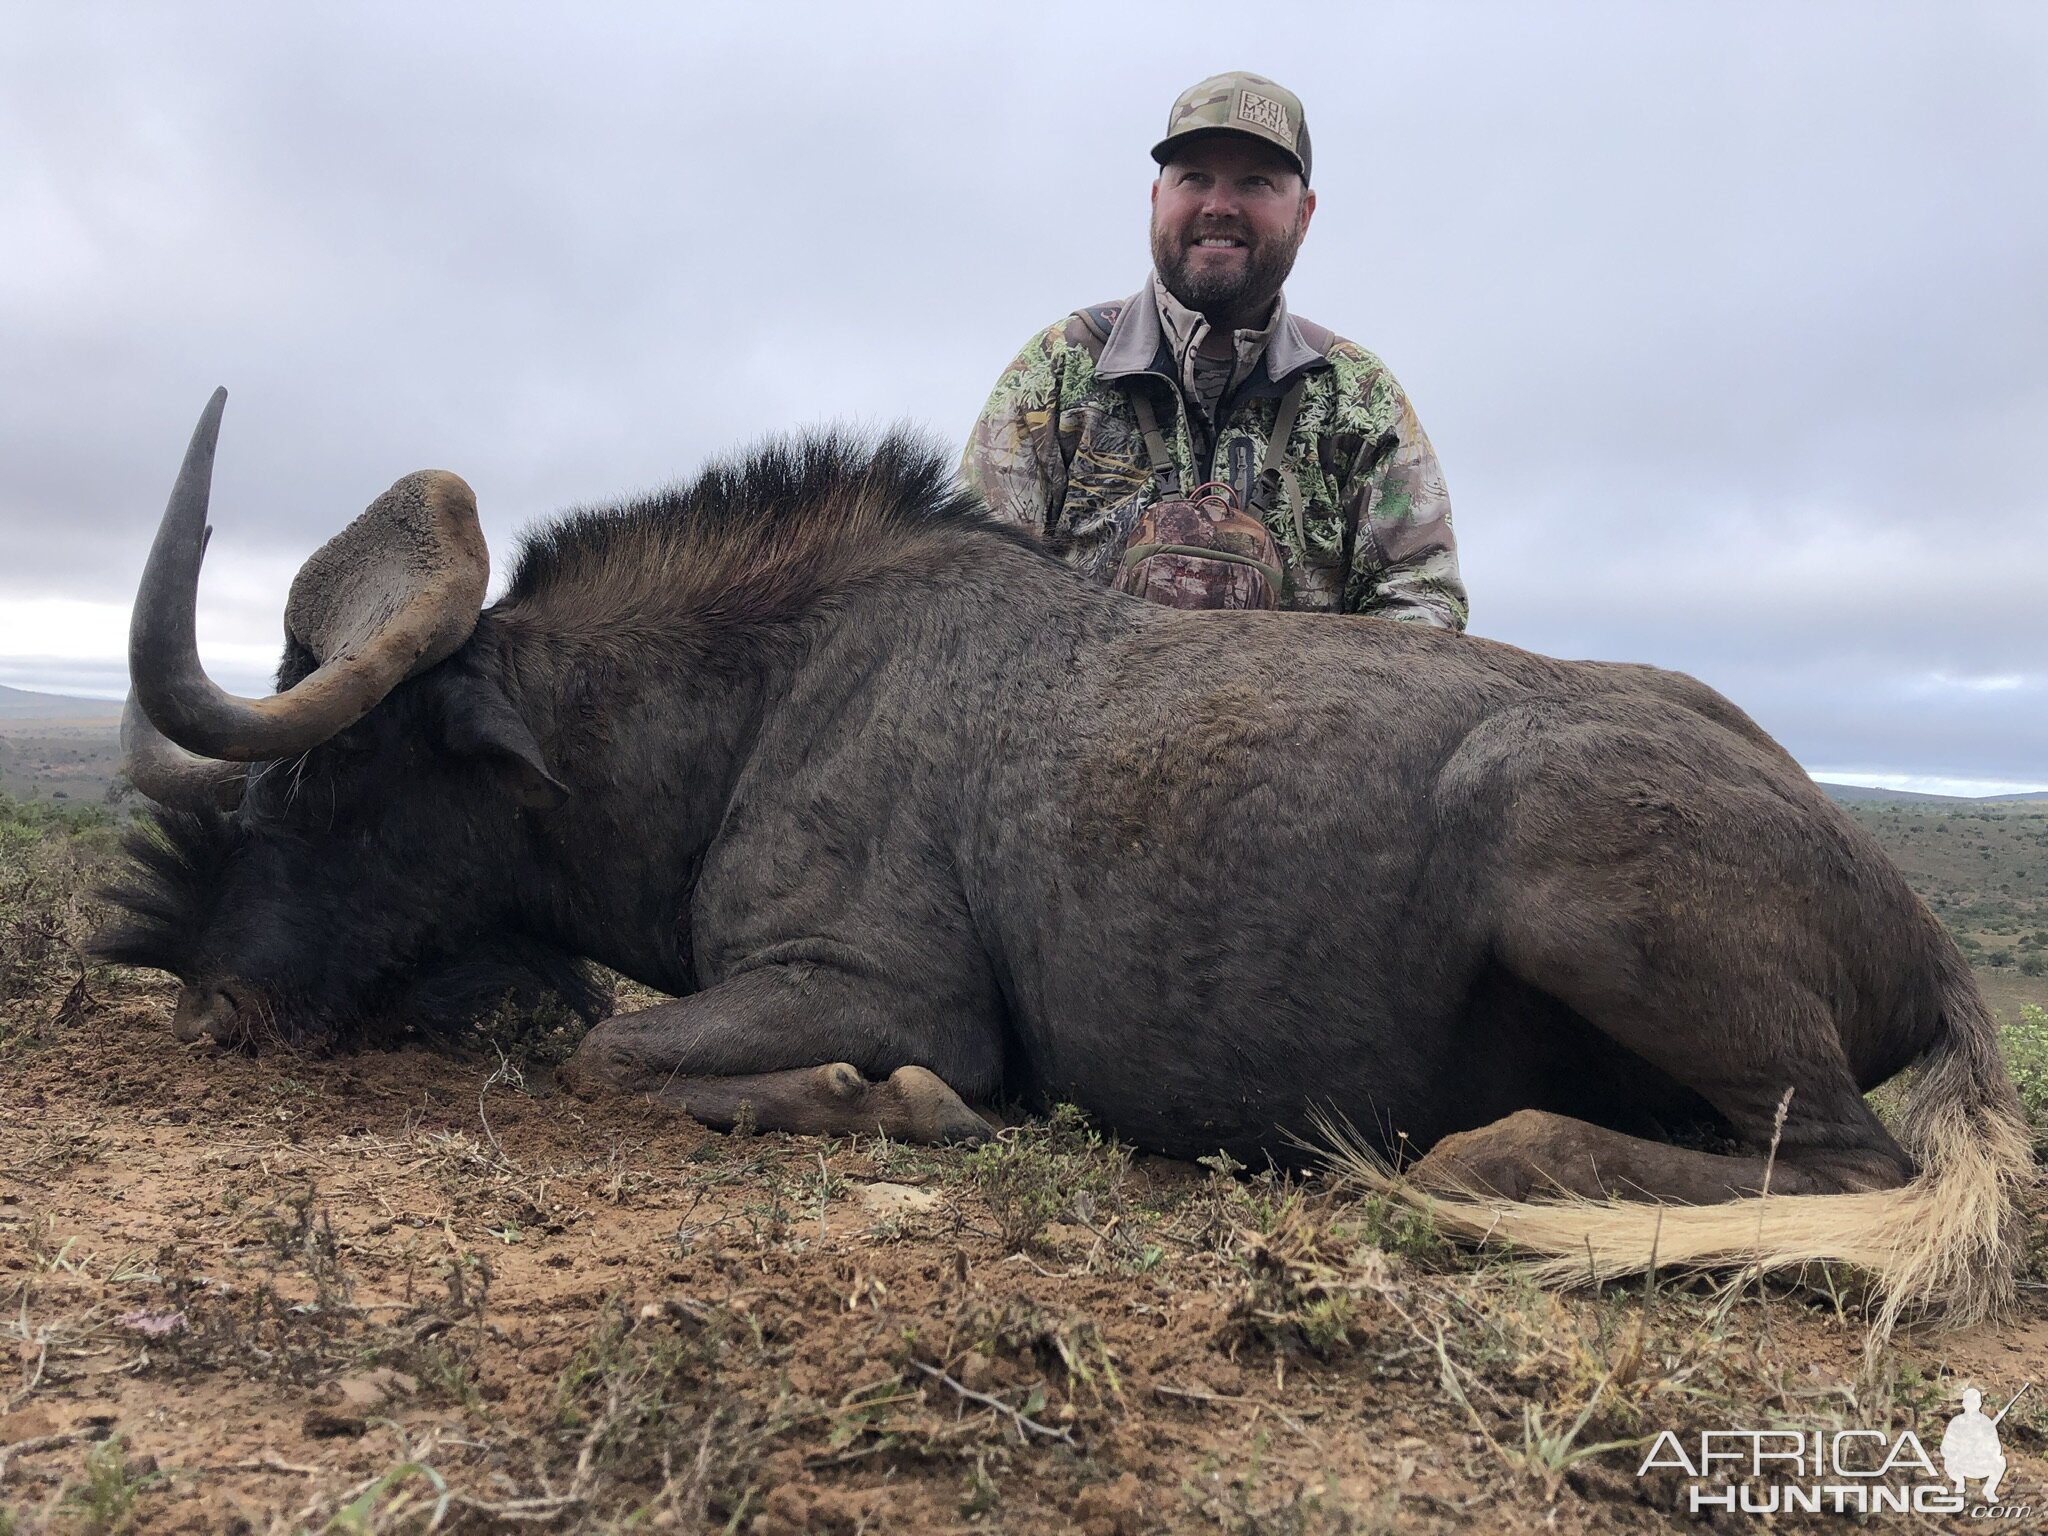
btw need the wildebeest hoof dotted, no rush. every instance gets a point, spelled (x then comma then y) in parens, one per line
(1536, 1155)
(931, 1111)
(1475, 1164)
(583, 1074)
(1452, 1178)
(842, 1080)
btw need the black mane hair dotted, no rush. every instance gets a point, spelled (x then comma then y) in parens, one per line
(754, 539)
(165, 893)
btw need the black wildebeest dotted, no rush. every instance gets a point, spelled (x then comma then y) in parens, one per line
(892, 801)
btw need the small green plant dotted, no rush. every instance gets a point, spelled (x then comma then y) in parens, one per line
(538, 1030)
(1550, 1446)
(1395, 1226)
(370, 1512)
(105, 1501)
(2026, 1055)
(981, 1493)
(1033, 1175)
(645, 1408)
(819, 1186)
(1311, 1278)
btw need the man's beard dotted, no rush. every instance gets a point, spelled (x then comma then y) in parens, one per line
(1225, 296)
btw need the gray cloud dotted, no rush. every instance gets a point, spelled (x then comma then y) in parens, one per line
(1726, 321)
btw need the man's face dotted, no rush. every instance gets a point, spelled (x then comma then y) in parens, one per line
(1228, 214)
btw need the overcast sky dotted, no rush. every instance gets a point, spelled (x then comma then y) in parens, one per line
(1729, 323)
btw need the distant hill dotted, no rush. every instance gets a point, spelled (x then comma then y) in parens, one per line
(21, 704)
(1855, 794)
(56, 746)
(1858, 794)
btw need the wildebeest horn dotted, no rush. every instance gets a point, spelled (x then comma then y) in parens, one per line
(396, 591)
(168, 774)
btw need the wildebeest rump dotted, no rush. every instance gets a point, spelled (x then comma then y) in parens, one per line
(866, 779)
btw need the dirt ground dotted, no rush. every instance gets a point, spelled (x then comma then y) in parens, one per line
(378, 1292)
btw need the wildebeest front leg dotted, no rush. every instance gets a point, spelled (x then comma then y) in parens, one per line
(779, 1048)
(911, 1104)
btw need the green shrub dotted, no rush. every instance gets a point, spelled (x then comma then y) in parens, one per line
(51, 857)
(1035, 1174)
(2026, 1054)
(540, 1030)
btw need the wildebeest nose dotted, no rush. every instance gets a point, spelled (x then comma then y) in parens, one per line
(208, 1011)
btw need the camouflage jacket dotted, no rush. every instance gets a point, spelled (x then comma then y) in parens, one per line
(1058, 449)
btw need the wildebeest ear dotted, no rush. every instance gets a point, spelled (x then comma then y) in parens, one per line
(479, 721)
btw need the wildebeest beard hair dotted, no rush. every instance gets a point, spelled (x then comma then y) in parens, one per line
(165, 897)
(163, 894)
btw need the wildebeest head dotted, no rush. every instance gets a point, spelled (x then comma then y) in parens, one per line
(343, 856)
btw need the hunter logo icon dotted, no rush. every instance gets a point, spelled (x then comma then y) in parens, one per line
(1853, 1470)
(1266, 113)
(1969, 1446)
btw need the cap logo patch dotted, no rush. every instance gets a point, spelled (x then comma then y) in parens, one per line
(1264, 112)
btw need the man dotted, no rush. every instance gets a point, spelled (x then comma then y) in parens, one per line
(1208, 353)
(1969, 1447)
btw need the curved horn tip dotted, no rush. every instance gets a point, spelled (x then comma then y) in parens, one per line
(195, 470)
(209, 418)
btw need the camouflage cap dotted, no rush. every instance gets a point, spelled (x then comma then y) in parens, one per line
(1244, 103)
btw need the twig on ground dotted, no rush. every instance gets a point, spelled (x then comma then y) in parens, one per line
(270, 1461)
(506, 1073)
(35, 1377)
(521, 1511)
(1021, 1421)
(38, 1443)
(1162, 1390)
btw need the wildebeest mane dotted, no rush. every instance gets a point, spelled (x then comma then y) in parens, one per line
(752, 540)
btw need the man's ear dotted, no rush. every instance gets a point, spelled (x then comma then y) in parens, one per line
(479, 721)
